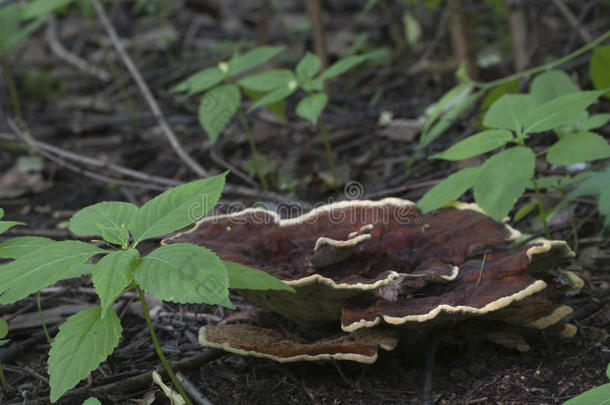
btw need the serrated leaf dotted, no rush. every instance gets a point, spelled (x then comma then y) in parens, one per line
(22, 245)
(111, 214)
(599, 69)
(199, 81)
(316, 84)
(114, 235)
(251, 59)
(342, 66)
(595, 396)
(83, 342)
(112, 273)
(476, 144)
(3, 328)
(558, 111)
(449, 189)
(503, 179)
(42, 267)
(184, 273)
(37, 8)
(268, 80)
(92, 401)
(509, 112)
(308, 67)
(245, 278)
(216, 109)
(176, 208)
(311, 107)
(594, 121)
(552, 84)
(274, 96)
(576, 148)
(6, 225)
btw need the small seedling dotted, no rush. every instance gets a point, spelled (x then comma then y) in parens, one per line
(181, 273)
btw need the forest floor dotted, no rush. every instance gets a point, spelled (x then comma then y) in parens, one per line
(86, 117)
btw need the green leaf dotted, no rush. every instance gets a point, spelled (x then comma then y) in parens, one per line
(112, 274)
(449, 189)
(4, 328)
(544, 183)
(200, 81)
(569, 180)
(43, 267)
(216, 109)
(594, 121)
(83, 342)
(276, 95)
(503, 179)
(6, 225)
(109, 214)
(311, 107)
(595, 396)
(92, 401)
(494, 94)
(251, 59)
(22, 245)
(509, 112)
(608, 371)
(525, 210)
(308, 67)
(579, 147)
(176, 208)
(316, 84)
(558, 111)
(278, 108)
(184, 273)
(10, 42)
(447, 120)
(37, 8)
(476, 144)
(597, 184)
(342, 66)
(599, 69)
(114, 235)
(268, 80)
(552, 84)
(245, 278)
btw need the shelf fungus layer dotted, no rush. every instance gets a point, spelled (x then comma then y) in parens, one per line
(372, 264)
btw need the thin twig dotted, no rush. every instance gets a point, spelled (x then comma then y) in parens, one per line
(573, 21)
(190, 388)
(61, 52)
(146, 93)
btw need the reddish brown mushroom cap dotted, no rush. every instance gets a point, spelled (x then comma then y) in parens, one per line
(360, 346)
(343, 249)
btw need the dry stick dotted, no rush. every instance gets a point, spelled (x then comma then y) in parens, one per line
(146, 93)
(518, 33)
(583, 33)
(314, 9)
(58, 155)
(460, 37)
(61, 52)
(190, 388)
(76, 168)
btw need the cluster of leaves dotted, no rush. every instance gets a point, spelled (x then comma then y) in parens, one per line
(181, 273)
(268, 88)
(553, 104)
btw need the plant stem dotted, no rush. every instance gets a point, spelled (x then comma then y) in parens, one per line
(544, 67)
(572, 224)
(44, 324)
(547, 233)
(12, 88)
(328, 149)
(255, 155)
(5, 385)
(164, 361)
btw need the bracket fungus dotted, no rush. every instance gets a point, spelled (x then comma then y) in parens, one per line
(386, 268)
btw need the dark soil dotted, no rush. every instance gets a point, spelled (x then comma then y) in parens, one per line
(552, 372)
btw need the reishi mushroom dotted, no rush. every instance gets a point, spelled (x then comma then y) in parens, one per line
(383, 269)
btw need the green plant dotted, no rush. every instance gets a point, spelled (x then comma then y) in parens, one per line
(554, 103)
(222, 98)
(181, 273)
(598, 395)
(275, 85)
